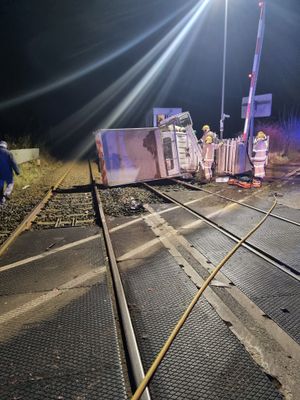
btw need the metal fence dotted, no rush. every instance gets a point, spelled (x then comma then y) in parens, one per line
(231, 157)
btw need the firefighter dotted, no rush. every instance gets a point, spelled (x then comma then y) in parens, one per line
(160, 118)
(7, 166)
(260, 151)
(208, 156)
(207, 132)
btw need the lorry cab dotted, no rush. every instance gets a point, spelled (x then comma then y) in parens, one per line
(189, 154)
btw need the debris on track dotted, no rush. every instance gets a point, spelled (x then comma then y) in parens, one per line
(127, 200)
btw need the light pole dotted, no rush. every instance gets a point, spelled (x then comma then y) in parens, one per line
(224, 116)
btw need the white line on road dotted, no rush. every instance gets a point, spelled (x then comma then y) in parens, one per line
(48, 253)
(50, 295)
(126, 224)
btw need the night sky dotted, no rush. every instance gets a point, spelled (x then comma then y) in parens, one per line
(70, 66)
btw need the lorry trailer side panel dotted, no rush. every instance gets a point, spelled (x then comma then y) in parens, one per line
(130, 155)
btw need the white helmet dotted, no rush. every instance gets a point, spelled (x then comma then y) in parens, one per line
(3, 144)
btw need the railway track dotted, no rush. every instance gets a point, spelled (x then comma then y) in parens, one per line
(67, 208)
(135, 268)
(266, 269)
(241, 203)
(8, 234)
(71, 204)
(74, 202)
(65, 204)
(227, 231)
(81, 206)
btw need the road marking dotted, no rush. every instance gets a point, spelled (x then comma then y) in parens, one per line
(48, 253)
(272, 342)
(132, 253)
(137, 250)
(126, 224)
(174, 232)
(50, 295)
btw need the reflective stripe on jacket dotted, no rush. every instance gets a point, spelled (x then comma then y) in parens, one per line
(260, 148)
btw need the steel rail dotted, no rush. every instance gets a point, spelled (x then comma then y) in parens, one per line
(132, 347)
(292, 173)
(164, 349)
(285, 177)
(267, 257)
(27, 221)
(237, 202)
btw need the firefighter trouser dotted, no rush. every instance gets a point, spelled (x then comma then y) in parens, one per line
(260, 158)
(207, 169)
(259, 169)
(208, 158)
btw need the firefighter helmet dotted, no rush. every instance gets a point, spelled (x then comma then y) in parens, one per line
(208, 139)
(205, 128)
(3, 144)
(261, 135)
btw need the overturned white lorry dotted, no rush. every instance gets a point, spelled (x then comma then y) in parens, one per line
(144, 154)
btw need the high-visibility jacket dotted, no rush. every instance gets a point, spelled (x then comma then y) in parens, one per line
(260, 150)
(210, 133)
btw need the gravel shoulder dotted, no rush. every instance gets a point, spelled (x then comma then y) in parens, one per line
(30, 187)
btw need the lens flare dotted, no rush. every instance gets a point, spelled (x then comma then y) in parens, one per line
(167, 48)
(57, 84)
(156, 59)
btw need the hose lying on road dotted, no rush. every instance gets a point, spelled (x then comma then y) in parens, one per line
(187, 312)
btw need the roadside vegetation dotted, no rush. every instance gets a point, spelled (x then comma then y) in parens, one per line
(22, 142)
(284, 137)
(34, 181)
(36, 172)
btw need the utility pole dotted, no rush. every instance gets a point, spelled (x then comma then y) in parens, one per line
(224, 116)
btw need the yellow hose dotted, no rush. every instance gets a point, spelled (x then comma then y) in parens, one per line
(139, 391)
